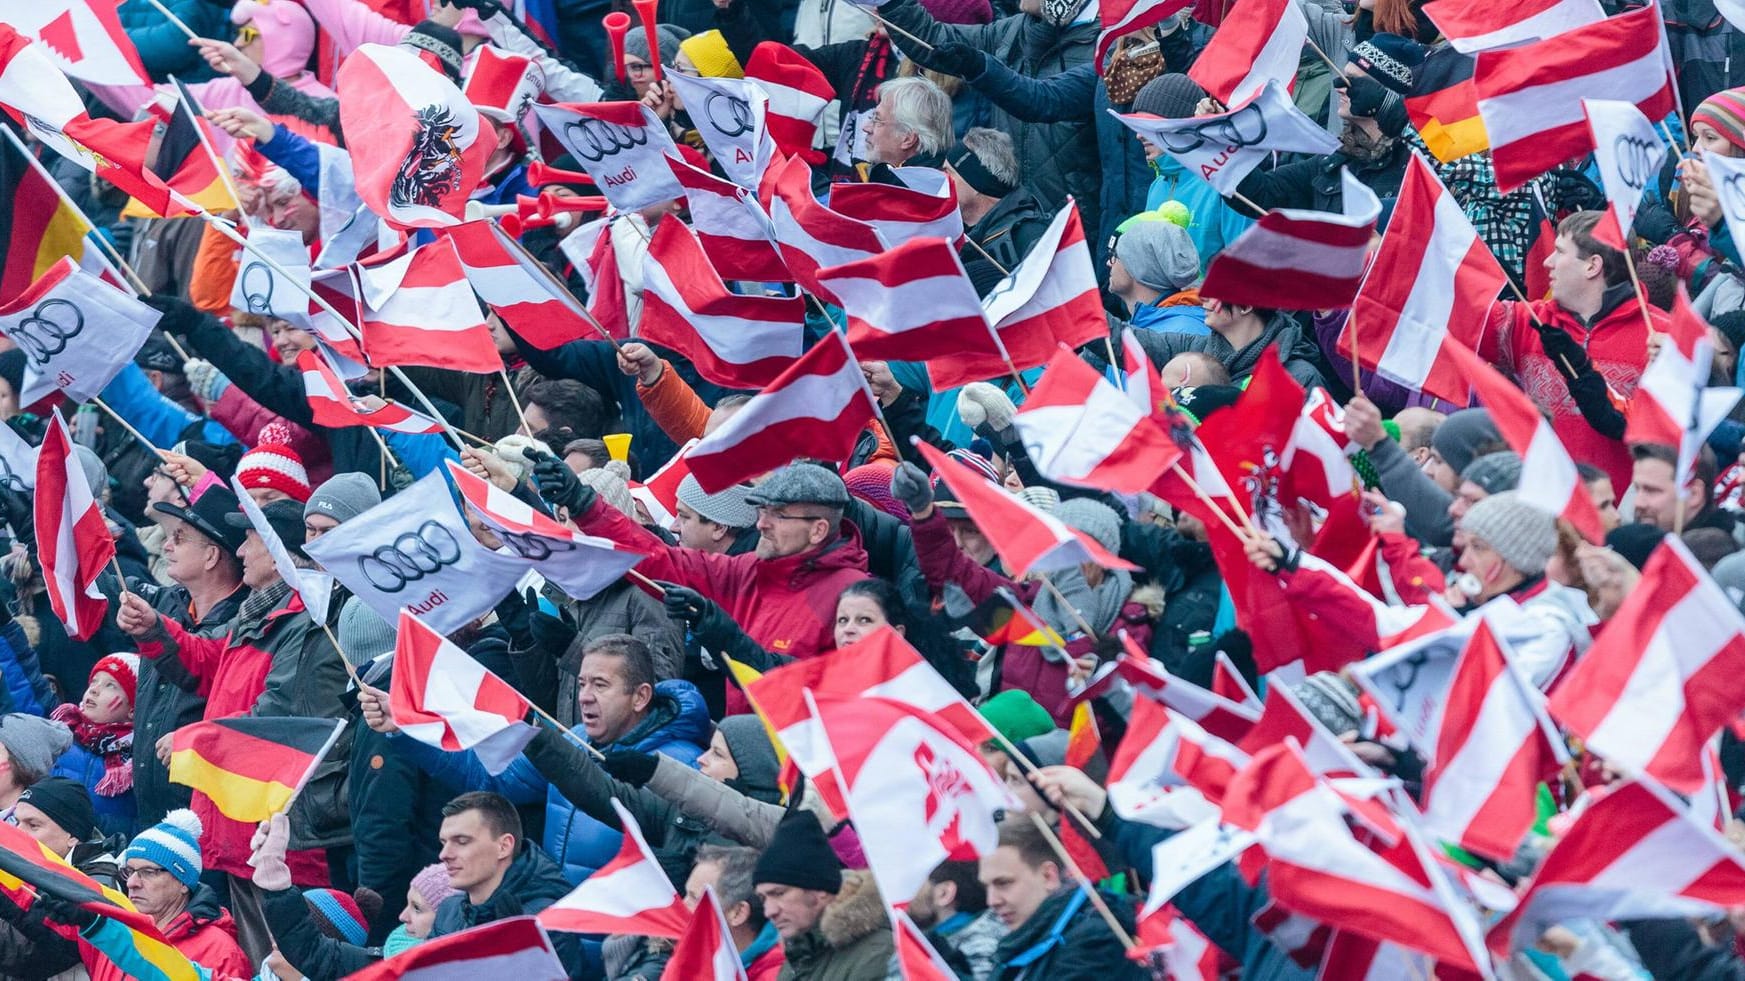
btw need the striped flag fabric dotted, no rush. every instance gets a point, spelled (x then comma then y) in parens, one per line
(630, 894)
(1122, 17)
(798, 95)
(185, 160)
(916, 958)
(810, 235)
(1219, 715)
(1226, 147)
(83, 39)
(73, 544)
(419, 308)
(332, 404)
(40, 225)
(1674, 404)
(1628, 154)
(515, 948)
(912, 303)
(1653, 688)
(76, 331)
(1472, 26)
(314, 587)
(1299, 260)
(620, 145)
(1168, 771)
(1003, 619)
(1443, 105)
(734, 340)
(251, 766)
(1429, 287)
(1078, 429)
(1084, 751)
(1259, 41)
(923, 206)
(705, 952)
(817, 407)
(442, 697)
(596, 260)
(534, 305)
(731, 225)
(1530, 96)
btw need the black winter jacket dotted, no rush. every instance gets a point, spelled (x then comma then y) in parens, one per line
(532, 882)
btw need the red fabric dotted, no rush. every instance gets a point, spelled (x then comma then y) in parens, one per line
(768, 965)
(244, 418)
(208, 943)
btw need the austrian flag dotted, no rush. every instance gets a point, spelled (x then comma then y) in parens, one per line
(441, 697)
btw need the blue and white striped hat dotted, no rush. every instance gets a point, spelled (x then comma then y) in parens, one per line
(173, 844)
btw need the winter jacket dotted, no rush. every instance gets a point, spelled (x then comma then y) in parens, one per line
(302, 944)
(1174, 318)
(1616, 340)
(1213, 223)
(27, 690)
(1704, 47)
(282, 666)
(163, 48)
(1296, 348)
(1673, 948)
(1009, 229)
(851, 942)
(1559, 629)
(204, 933)
(530, 884)
(1315, 184)
(1192, 588)
(396, 816)
(157, 418)
(1066, 939)
(1054, 159)
(239, 413)
(621, 608)
(973, 937)
(168, 700)
(117, 814)
(1426, 503)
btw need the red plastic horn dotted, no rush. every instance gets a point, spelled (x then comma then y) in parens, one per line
(617, 25)
(540, 174)
(645, 10)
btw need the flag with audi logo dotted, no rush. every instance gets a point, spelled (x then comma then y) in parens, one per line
(621, 145)
(1727, 175)
(730, 115)
(441, 697)
(418, 147)
(76, 331)
(415, 552)
(1225, 148)
(581, 564)
(1628, 153)
(271, 292)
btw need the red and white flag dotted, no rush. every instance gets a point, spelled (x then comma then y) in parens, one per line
(76, 331)
(419, 308)
(1634, 854)
(1122, 17)
(441, 697)
(1674, 403)
(418, 147)
(918, 792)
(1218, 715)
(1661, 679)
(1472, 26)
(73, 543)
(811, 236)
(705, 952)
(730, 115)
(923, 206)
(916, 958)
(815, 409)
(1026, 538)
(514, 948)
(593, 251)
(1187, 954)
(1549, 479)
(912, 303)
(84, 38)
(734, 340)
(1049, 299)
(1316, 464)
(1530, 96)
(1225, 148)
(1430, 284)
(731, 225)
(522, 291)
(1284, 717)
(1168, 771)
(1298, 260)
(630, 894)
(332, 404)
(1494, 746)
(660, 492)
(798, 95)
(1628, 153)
(1258, 41)
(1079, 429)
(622, 145)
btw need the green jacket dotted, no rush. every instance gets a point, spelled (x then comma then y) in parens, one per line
(852, 941)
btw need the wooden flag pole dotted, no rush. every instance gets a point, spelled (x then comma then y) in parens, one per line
(173, 19)
(1089, 887)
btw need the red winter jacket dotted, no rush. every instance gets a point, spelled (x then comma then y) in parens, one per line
(204, 933)
(1617, 342)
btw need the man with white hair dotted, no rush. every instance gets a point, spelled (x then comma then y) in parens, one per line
(913, 119)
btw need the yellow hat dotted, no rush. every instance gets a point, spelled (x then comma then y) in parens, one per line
(710, 54)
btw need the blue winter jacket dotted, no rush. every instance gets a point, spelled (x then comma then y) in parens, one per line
(27, 690)
(115, 815)
(161, 420)
(1179, 319)
(1215, 224)
(163, 48)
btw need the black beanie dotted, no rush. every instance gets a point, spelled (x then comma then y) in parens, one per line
(12, 369)
(1635, 542)
(66, 802)
(799, 855)
(1169, 96)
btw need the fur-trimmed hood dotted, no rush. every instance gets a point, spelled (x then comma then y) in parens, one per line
(857, 911)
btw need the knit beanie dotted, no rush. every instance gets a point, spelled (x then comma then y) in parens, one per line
(1725, 111)
(33, 744)
(337, 915)
(609, 482)
(1495, 472)
(1729, 574)
(173, 845)
(1331, 700)
(669, 37)
(362, 632)
(343, 497)
(1014, 714)
(1160, 255)
(799, 855)
(871, 482)
(1635, 542)
(959, 11)
(124, 668)
(726, 507)
(273, 464)
(1048, 749)
(1390, 59)
(431, 883)
(1524, 536)
(287, 34)
(66, 802)
(1039, 497)
(712, 57)
(1459, 436)
(1732, 326)
(1172, 96)
(752, 752)
(439, 46)
(1092, 517)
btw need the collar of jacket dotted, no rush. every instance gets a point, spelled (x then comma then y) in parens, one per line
(789, 568)
(1614, 297)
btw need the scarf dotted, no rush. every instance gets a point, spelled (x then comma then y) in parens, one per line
(112, 741)
(399, 941)
(258, 604)
(1099, 604)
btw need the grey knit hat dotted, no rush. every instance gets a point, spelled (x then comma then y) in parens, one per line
(343, 497)
(726, 508)
(1331, 700)
(1159, 254)
(33, 744)
(609, 483)
(1459, 436)
(362, 632)
(1495, 472)
(1172, 96)
(636, 42)
(1729, 574)
(800, 483)
(1094, 518)
(1523, 535)
(752, 753)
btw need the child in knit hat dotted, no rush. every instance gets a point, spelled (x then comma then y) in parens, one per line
(101, 756)
(273, 471)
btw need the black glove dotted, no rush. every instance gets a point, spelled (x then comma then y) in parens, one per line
(55, 908)
(963, 60)
(909, 485)
(709, 624)
(19, 512)
(558, 484)
(1571, 360)
(551, 634)
(180, 316)
(629, 766)
(513, 614)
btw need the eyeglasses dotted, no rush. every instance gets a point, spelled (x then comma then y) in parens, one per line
(148, 872)
(181, 537)
(248, 35)
(638, 68)
(777, 515)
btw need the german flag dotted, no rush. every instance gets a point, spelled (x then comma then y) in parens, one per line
(185, 162)
(1084, 744)
(1443, 106)
(38, 225)
(28, 869)
(1002, 619)
(250, 767)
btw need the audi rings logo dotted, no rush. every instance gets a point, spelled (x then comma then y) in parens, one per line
(1733, 196)
(728, 114)
(536, 548)
(1244, 127)
(256, 281)
(1635, 160)
(46, 331)
(413, 556)
(594, 140)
